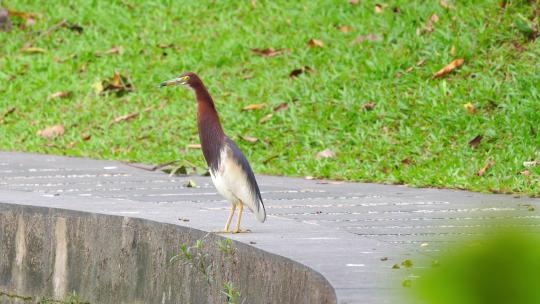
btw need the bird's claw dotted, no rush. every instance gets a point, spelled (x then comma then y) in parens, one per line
(241, 231)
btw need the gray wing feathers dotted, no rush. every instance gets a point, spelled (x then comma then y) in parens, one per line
(255, 203)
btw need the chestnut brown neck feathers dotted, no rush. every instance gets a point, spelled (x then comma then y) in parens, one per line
(210, 130)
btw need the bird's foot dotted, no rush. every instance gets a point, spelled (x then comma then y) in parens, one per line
(222, 231)
(241, 231)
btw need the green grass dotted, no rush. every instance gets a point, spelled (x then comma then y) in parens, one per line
(416, 118)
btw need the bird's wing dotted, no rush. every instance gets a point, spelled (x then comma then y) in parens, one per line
(240, 180)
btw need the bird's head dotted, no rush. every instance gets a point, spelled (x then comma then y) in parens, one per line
(189, 79)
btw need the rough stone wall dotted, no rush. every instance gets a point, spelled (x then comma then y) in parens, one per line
(113, 259)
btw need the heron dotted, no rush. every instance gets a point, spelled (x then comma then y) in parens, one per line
(229, 169)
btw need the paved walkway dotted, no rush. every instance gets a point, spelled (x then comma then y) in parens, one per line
(351, 233)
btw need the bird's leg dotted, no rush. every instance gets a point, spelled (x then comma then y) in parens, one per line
(238, 230)
(226, 229)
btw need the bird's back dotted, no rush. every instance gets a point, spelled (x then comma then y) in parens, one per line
(235, 179)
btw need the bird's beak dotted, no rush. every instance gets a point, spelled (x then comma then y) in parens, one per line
(175, 81)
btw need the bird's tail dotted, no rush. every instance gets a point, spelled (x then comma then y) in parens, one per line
(261, 212)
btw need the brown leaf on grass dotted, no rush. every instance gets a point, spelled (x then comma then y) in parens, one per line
(111, 51)
(166, 46)
(85, 136)
(368, 37)
(33, 50)
(281, 106)
(344, 28)
(28, 18)
(302, 70)
(353, 2)
(266, 118)
(8, 112)
(255, 106)
(52, 132)
(269, 52)
(118, 84)
(249, 139)
(194, 146)
(129, 116)
(449, 68)
(124, 118)
(65, 94)
(473, 143)
(406, 161)
(531, 163)
(444, 4)
(471, 109)
(483, 170)
(378, 8)
(432, 20)
(419, 63)
(326, 153)
(254, 4)
(368, 106)
(315, 43)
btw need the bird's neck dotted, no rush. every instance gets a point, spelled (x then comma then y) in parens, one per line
(210, 131)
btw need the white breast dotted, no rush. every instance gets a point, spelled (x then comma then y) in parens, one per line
(231, 181)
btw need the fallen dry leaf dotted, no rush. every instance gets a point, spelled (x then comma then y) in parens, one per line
(368, 37)
(85, 136)
(8, 112)
(449, 68)
(266, 118)
(66, 94)
(353, 2)
(52, 132)
(281, 106)
(327, 153)
(344, 28)
(368, 106)
(119, 84)
(249, 139)
(315, 43)
(269, 52)
(302, 70)
(33, 50)
(406, 161)
(190, 184)
(475, 141)
(378, 8)
(444, 4)
(166, 46)
(124, 118)
(419, 63)
(255, 106)
(470, 108)
(483, 170)
(111, 51)
(432, 20)
(194, 146)
(532, 163)
(29, 18)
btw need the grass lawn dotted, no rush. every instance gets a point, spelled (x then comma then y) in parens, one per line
(374, 103)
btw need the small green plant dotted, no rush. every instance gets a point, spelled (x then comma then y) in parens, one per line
(195, 256)
(233, 295)
(71, 298)
(225, 246)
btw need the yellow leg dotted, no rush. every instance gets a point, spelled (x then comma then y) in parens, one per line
(226, 229)
(238, 230)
